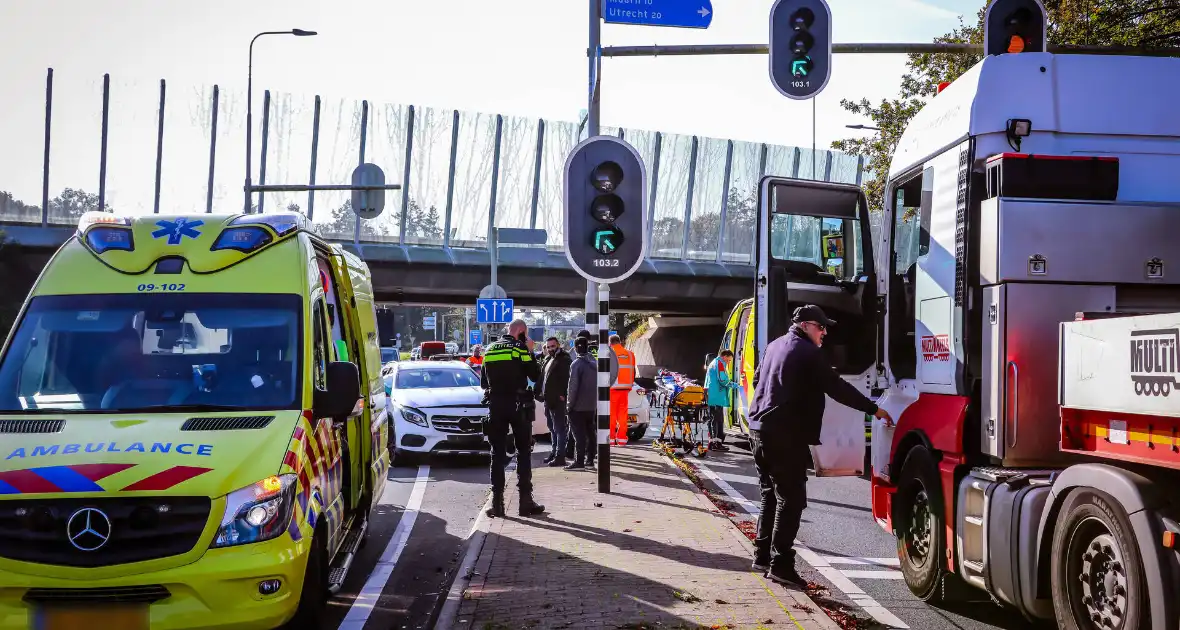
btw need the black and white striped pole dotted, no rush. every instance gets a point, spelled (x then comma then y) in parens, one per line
(604, 357)
(605, 242)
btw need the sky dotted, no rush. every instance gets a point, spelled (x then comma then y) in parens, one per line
(524, 58)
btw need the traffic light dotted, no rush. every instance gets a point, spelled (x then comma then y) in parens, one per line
(1014, 26)
(605, 209)
(800, 47)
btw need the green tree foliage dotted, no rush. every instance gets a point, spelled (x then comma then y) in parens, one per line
(71, 204)
(668, 232)
(420, 223)
(1144, 23)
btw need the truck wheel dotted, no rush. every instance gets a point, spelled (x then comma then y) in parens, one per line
(921, 542)
(313, 599)
(1097, 578)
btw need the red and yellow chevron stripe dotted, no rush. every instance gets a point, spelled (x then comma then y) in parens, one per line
(85, 478)
(314, 456)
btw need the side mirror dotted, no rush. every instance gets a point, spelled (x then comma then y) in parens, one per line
(344, 390)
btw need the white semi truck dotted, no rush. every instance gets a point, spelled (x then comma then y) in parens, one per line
(1022, 321)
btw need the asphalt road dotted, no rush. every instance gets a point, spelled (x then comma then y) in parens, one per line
(417, 536)
(414, 546)
(849, 553)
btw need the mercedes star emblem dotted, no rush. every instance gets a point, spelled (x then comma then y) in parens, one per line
(88, 529)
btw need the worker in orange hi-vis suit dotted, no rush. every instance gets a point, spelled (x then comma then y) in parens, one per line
(622, 369)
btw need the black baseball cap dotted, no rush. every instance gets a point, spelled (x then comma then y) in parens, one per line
(812, 313)
(583, 334)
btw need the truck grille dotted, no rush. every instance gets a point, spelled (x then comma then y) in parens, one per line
(141, 528)
(454, 424)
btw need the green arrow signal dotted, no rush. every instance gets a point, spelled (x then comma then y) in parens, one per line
(604, 241)
(801, 67)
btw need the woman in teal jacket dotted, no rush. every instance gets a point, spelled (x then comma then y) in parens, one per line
(717, 387)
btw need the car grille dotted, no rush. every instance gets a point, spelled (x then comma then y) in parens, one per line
(455, 424)
(141, 528)
(108, 595)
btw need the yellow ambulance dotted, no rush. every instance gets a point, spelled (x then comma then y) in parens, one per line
(739, 339)
(192, 426)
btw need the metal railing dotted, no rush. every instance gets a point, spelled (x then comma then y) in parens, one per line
(460, 171)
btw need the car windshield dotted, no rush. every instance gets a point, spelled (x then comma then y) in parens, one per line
(426, 378)
(127, 353)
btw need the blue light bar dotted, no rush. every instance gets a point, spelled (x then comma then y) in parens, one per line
(283, 223)
(101, 239)
(243, 239)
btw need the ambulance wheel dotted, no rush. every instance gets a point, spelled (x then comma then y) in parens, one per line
(918, 515)
(313, 599)
(1097, 571)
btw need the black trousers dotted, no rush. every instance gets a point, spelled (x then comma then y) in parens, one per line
(501, 417)
(782, 478)
(585, 444)
(717, 422)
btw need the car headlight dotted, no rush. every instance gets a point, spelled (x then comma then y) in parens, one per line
(260, 511)
(414, 416)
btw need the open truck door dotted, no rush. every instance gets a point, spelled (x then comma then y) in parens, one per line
(815, 247)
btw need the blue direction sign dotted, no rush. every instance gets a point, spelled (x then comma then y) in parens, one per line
(493, 311)
(678, 13)
(476, 337)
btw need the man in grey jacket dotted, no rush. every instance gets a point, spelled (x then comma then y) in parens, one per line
(582, 400)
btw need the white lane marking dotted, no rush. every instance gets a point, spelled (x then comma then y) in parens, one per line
(884, 562)
(366, 600)
(873, 575)
(748, 480)
(834, 575)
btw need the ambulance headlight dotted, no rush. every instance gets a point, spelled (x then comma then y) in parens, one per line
(243, 239)
(260, 511)
(101, 239)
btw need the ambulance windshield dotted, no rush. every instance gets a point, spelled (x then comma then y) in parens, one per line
(139, 352)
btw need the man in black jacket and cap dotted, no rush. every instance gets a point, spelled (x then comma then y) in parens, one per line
(785, 419)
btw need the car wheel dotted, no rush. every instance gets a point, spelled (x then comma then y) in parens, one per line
(402, 457)
(635, 433)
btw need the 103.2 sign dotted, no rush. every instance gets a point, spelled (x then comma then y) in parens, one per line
(606, 262)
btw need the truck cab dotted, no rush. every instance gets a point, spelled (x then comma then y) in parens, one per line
(1025, 192)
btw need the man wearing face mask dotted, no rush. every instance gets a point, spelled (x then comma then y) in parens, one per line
(785, 419)
(555, 378)
(508, 366)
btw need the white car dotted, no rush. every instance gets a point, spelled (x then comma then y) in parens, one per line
(638, 415)
(435, 406)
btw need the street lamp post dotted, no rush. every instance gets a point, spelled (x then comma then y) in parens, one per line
(298, 32)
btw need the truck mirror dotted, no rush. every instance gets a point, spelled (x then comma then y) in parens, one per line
(344, 390)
